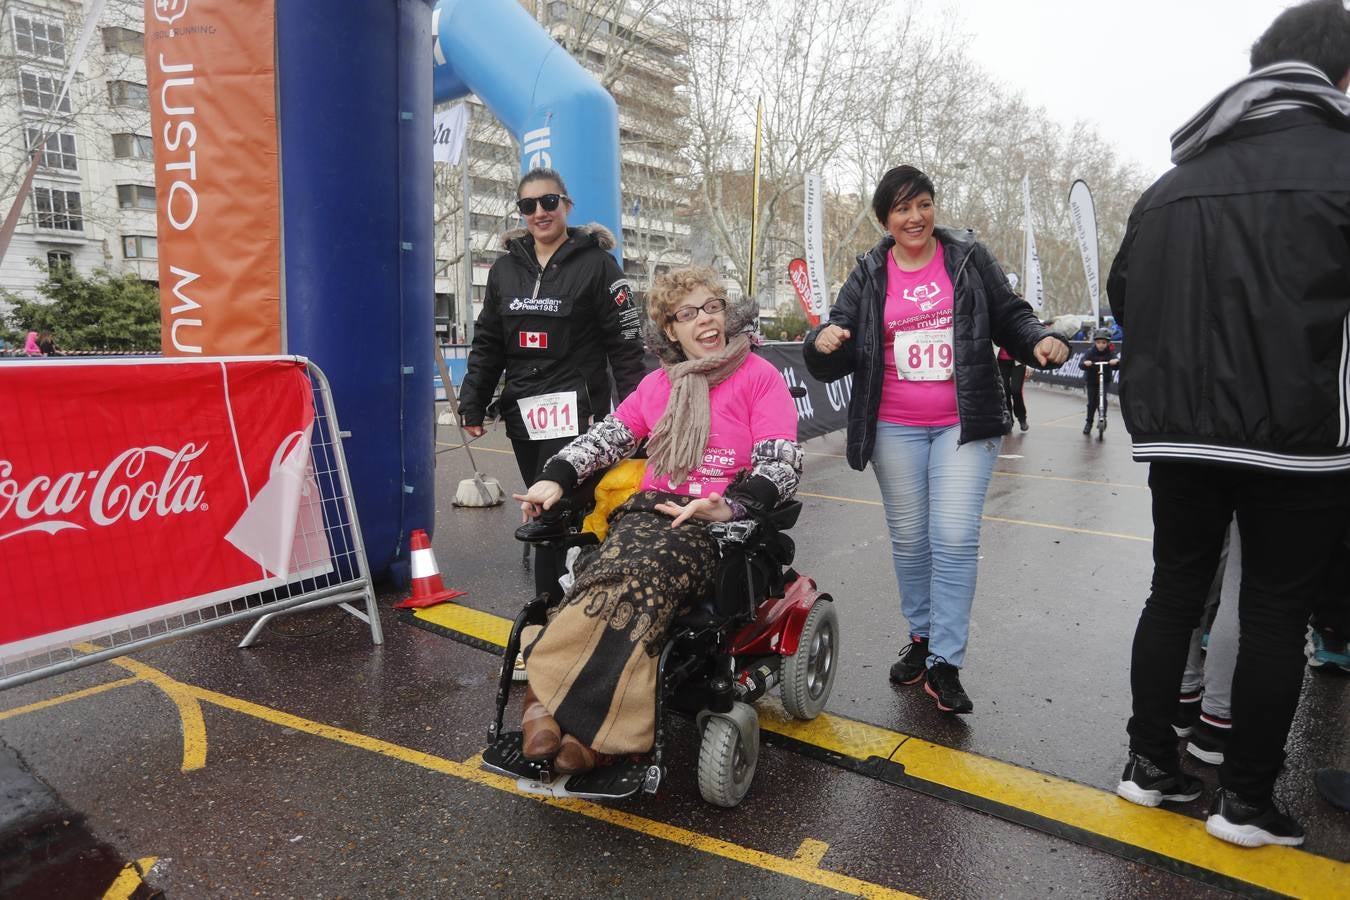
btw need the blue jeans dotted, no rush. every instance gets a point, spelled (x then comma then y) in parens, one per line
(933, 492)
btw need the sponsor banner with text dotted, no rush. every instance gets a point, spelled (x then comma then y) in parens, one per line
(150, 489)
(212, 85)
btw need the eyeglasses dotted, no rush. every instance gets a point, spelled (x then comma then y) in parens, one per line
(548, 201)
(690, 313)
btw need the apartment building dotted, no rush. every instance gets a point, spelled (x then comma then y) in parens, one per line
(92, 201)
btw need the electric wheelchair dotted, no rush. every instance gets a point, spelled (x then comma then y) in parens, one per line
(765, 625)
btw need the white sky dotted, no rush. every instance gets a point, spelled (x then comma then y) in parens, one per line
(1136, 69)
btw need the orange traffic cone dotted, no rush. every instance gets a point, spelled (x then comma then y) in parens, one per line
(427, 589)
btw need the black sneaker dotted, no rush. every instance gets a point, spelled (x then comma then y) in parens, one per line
(1087, 429)
(1209, 739)
(1148, 784)
(1188, 713)
(943, 683)
(909, 668)
(1236, 821)
(1022, 423)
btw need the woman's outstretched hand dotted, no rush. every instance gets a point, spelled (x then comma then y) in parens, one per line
(541, 496)
(1051, 351)
(710, 509)
(831, 338)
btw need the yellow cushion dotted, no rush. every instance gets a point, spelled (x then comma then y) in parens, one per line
(620, 482)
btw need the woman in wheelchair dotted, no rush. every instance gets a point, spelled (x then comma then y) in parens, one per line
(722, 443)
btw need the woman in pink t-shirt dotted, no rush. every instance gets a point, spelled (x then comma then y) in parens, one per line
(915, 325)
(722, 444)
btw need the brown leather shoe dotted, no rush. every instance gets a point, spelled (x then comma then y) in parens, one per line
(541, 734)
(574, 757)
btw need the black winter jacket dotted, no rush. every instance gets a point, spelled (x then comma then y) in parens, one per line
(1233, 284)
(554, 330)
(986, 311)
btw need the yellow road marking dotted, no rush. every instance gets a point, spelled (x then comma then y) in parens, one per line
(811, 852)
(467, 620)
(737, 853)
(189, 710)
(1113, 484)
(1285, 870)
(987, 518)
(1109, 534)
(129, 879)
(64, 698)
(480, 449)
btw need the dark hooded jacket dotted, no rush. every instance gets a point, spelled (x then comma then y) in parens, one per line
(1234, 274)
(553, 330)
(986, 311)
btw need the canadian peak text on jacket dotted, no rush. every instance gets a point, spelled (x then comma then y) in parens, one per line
(554, 328)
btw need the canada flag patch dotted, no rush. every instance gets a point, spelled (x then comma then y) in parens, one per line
(534, 340)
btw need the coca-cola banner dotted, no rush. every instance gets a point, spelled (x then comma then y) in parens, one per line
(131, 490)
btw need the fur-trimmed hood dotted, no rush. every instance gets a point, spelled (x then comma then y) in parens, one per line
(741, 316)
(602, 236)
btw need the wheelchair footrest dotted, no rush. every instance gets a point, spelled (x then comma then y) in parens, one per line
(622, 779)
(504, 757)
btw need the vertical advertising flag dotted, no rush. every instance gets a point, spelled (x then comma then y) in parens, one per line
(1031, 263)
(1084, 216)
(801, 283)
(450, 126)
(815, 246)
(212, 84)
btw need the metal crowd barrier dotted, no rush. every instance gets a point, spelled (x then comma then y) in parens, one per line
(348, 582)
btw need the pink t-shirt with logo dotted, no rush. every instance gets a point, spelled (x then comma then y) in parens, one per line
(916, 301)
(752, 405)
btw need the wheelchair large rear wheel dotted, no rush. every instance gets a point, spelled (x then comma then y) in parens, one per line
(808, 674)
(726, 765)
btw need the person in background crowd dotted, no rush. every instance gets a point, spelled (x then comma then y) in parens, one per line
(30, 345)
(46, 343)
(556, 310)
(1240, 250)
(915, 325)
(1101, 353)
(1014, 374)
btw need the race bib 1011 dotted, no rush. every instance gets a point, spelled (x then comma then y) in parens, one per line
(550, 416)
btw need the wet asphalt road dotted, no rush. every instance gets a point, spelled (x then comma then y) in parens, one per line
(286, 806)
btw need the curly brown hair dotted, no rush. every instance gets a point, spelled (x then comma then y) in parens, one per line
(669, 288)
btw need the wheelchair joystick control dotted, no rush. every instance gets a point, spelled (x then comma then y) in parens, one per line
(550, 525)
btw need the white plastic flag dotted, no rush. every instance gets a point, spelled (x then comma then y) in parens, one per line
(1084, 215)
(450, 126)
(1031, 265)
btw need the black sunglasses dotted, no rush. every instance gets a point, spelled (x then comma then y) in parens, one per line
(548, 201)
(690, 313)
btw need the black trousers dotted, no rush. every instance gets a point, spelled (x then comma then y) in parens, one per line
(530, 458)
(1090, 381)
(1290, 526)
(1014, 374)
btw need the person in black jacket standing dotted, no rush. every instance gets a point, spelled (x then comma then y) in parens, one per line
(556, 310)
(1233, 280)
(915, 325)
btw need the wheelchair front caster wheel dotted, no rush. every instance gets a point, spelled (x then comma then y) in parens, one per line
(808, 674)
(726, 763)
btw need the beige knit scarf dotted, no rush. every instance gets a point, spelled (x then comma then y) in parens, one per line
(678, 441)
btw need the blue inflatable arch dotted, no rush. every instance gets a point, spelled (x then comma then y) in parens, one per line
(355, 93)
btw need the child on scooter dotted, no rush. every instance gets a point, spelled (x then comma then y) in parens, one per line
(1102, 352)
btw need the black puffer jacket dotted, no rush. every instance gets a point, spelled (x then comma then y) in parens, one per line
(986, 311)
(554, 330)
